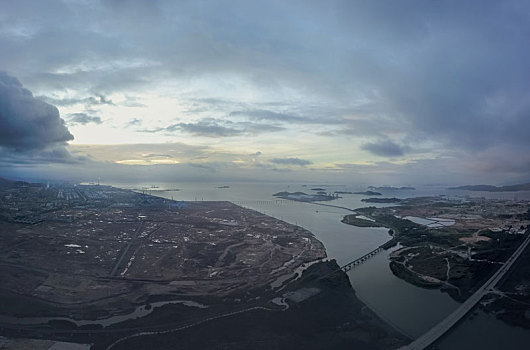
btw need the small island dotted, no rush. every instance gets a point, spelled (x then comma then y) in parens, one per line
(156, 189)
(381, 200)
(360, 221)
(368, 193)
(490, 188)
(304, 197)
(391, 188)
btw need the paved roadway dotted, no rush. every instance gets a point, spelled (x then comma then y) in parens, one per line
(437, 331)
(126, 250)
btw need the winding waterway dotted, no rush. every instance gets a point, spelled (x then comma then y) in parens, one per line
(139, 312)
(410, 309)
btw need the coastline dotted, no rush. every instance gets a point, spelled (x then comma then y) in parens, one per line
(159, 310)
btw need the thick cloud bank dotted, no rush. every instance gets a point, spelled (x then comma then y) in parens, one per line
(25, 122)
(30, 129)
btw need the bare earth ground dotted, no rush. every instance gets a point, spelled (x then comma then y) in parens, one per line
(74, 258)
(209, 248)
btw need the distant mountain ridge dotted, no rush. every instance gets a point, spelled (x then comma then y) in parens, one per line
(491, 188)
(6, 183)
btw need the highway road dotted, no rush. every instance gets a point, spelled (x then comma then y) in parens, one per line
(437, 331)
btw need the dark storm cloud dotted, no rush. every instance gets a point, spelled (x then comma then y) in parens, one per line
(27, 123)
(83, 119)
(51, 154)
(384, 148)
(464, 85)
(291, 161)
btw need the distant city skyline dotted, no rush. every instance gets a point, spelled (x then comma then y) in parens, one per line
(398, 93)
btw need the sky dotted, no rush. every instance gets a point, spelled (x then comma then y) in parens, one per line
(354, 92)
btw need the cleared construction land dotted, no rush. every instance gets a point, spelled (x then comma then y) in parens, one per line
(122, 270)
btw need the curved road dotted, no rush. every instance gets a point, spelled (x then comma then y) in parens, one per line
(437, 331)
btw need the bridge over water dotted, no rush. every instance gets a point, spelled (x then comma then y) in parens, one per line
(287, 202)
(360, 260)
(264, 202)
(346, 267)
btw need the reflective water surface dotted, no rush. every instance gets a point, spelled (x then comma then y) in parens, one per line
(410, 309)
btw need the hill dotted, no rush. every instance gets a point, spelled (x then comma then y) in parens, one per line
(491, 188)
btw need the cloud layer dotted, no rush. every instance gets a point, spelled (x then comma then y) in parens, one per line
(209, 127)
(346, 82)
(384, 148)
(291, 161)
(25, 122)
(83, 118)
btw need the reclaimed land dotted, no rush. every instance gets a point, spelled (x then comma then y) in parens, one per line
(80, 257)
(98, 246)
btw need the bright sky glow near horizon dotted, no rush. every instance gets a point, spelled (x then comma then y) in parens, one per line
(399, 92)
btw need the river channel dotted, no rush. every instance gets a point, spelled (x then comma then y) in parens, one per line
(409, 309)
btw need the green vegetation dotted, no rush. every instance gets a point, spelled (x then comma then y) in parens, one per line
(499, 248)
(439, 257)
(427, 262)
(332, 319)
(13, 305)
(411, 233)
(352, 219)
(400, 271)
(514, 306)
(490, 188)
(381, 200)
